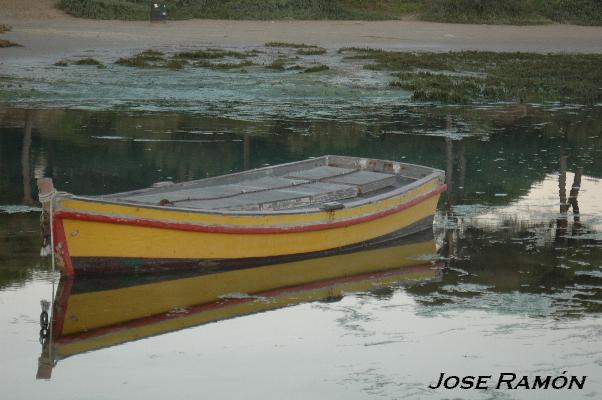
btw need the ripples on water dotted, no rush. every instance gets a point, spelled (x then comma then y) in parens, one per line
(521, 289)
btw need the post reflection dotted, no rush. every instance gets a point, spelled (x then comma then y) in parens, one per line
(562, 234)
(25, 163)
(530, 245)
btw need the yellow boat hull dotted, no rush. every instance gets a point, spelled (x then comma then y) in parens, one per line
(97, 237)
(302, 209)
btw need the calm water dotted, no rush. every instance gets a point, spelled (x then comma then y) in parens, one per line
(519, 236)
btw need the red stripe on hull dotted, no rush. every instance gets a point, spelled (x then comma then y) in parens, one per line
(60, 307)
(59, 215)
(60, 244)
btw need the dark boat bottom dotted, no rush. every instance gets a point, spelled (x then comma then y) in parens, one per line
(418, 232)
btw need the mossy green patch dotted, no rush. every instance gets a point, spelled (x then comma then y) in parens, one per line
(223, 66)
(145, 59)
(316, 68)
(470, 76)
(291, 45)
(175, 64)
(302, 48)
(200, 58)
(207, 54)
(151, 55)
(133, 62)
(311, 52)
(278, 64)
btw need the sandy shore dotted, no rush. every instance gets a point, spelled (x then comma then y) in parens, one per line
(43, 31)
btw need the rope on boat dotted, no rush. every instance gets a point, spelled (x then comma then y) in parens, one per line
(47, 197)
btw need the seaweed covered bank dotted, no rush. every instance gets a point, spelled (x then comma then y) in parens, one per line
(297, 78)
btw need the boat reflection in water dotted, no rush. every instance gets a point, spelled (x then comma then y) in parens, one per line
(91, 314)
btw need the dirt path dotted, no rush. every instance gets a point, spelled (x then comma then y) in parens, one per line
(45, 31)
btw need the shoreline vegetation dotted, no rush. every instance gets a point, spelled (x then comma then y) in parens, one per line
(7, 43)
(456, 77)
(512, 12)
(220, 59)
(463, 77)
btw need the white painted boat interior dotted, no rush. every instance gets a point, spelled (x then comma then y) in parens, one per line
(308, 183)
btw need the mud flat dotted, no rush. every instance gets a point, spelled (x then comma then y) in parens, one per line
(43, 30)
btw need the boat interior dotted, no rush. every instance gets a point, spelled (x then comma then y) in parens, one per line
(326, 182)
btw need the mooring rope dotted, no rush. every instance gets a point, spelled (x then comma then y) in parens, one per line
(47, 197)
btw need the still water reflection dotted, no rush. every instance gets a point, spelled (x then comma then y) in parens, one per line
(90, 314)
(519, 235)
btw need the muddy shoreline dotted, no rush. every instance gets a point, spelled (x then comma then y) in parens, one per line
(45, 31)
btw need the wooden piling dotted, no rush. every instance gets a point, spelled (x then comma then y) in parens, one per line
(45, 191)
(45, 194)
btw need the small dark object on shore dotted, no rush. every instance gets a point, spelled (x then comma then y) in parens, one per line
(88, 61)
(311, 52)
(8, 43)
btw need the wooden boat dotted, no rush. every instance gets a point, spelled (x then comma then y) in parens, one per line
(300, 209)
(91, 313)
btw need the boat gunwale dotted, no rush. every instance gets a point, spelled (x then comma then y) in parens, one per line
(357, 202)
(296, 211)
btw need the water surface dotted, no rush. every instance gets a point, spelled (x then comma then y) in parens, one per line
(517, 252)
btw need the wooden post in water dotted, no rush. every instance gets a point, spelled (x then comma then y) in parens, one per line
(46, 193)
(449, 168)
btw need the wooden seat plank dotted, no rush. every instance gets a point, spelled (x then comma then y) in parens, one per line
(319, 173)
(365, 181)
(279, 199)
(216, 192)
